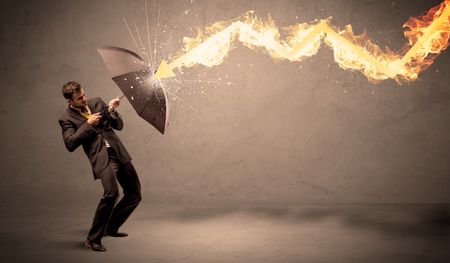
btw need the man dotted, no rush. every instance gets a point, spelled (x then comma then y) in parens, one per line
(90, 123)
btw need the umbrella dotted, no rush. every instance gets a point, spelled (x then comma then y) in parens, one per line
(133, 77)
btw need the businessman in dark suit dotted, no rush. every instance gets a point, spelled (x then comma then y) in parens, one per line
(90, 123)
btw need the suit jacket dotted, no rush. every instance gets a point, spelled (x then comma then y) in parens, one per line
(76, 131)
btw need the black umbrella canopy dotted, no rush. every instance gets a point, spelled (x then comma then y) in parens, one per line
(134, 78)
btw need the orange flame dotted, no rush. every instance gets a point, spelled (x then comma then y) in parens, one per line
(427, 36)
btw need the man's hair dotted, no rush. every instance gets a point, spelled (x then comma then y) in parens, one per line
(70, 88)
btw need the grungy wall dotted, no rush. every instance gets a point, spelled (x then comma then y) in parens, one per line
(249, 130)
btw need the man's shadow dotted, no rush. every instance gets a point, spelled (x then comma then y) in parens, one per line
(74, 242)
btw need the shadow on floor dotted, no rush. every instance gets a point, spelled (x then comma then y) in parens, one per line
(69, 244)
(393, 219)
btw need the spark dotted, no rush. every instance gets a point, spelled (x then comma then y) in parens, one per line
(142, 44)
(156, 32)
(182, 100)
(151, 61)
(131, 34)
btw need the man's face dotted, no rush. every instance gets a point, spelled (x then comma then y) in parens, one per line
(79, 100)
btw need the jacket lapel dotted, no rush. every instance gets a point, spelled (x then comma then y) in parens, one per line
(75, 114)
(93, 107)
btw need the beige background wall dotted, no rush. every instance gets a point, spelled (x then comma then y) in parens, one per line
(253, 130)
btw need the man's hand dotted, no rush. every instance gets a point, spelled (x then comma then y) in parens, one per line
(94, 119)
(113, 104)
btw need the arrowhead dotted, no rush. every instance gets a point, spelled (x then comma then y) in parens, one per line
(164, 71)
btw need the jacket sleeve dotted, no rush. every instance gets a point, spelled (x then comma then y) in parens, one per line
(74, 138)
(115, 119)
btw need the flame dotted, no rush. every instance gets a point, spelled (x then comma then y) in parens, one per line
(427, 35)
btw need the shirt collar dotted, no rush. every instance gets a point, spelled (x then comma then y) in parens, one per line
(77, 109)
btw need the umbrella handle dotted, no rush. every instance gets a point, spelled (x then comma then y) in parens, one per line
(123, 95)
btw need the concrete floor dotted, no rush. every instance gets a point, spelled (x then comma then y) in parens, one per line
(219, 233)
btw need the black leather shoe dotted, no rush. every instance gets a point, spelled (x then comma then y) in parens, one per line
(116, 234)
(94, 246)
